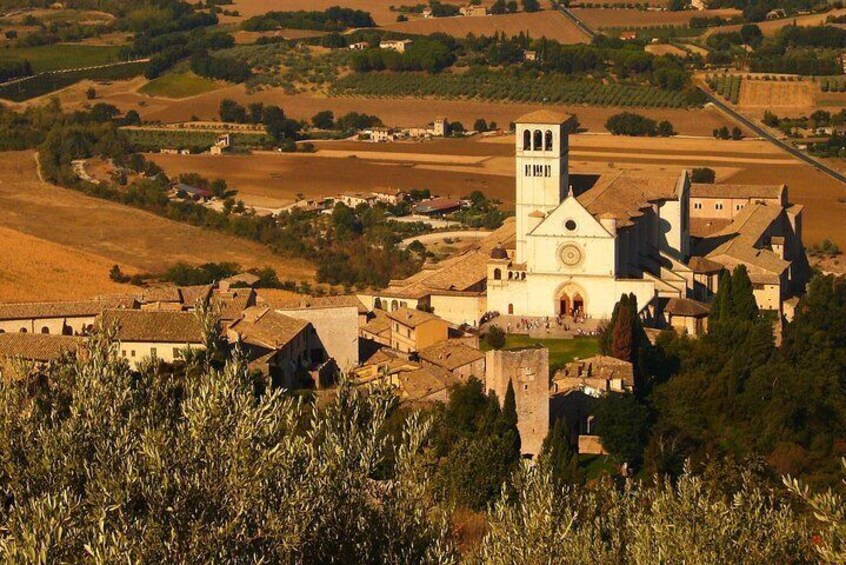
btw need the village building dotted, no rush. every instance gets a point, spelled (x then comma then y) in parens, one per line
(580, 245)
(382, 134)
(576, 389)
(398, 45)
(222, 145)
(413, 330)
(335, 319)
(285, 349)
(461, 360)
(529, 55)
(438, 206)
(57, 318)
(355, 199)
(144, 335)
(472, 10)
(359, 46)
(195, 193)
(687, 316)
(22, 353)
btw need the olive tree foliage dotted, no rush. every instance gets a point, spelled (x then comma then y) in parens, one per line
(683, 522)
(829, 509)
(102, 464)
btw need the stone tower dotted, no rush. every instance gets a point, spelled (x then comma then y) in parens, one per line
(528, 371)
(543, 147)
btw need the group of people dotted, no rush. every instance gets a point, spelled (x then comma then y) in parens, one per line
(565, 323)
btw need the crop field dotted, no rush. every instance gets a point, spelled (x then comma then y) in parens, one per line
(35, 269)
(47, 82)
(180, 85)
(549, 24)
(599, 18)
(727, 86)
(457, 167)
(379, 9)
(778, 94)
(135, 240)
(771, 27)
(661, 49)
(497, 87)
(61, 56)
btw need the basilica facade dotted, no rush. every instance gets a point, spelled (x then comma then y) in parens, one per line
(581, 241)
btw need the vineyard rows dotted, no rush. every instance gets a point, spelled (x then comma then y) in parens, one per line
(196, 141)
(494, 87)
(45, 83)
(727, 86)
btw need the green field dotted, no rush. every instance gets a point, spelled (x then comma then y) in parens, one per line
(60, 56)
(561, 351)
(179, 85)
(145, 140)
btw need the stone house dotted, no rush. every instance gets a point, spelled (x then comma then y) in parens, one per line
(152, 334)
(413, 330)
(57, 318)
(461, 360)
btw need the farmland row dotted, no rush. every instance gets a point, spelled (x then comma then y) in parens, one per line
(500, 87)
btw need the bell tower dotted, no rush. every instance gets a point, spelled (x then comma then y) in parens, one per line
(543, 180)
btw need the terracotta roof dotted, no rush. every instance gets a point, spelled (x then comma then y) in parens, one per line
(231, 304)
(78, 309)
(161, 293)
(412, 318)
(437, 205)
(623, 196)
(598, 367)
(703, 227)
(702, 265)
(191, 294)
(739, 243)
(380, 323)
(450, 355)
(424, 382)
(264, 327)
(459, 273)
(699, 190)
(248, 279)
(38, 347)
(286, 300)
(544, 117)
(153, 326)
(686, 307)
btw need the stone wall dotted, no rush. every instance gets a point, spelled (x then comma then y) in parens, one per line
(528, 370)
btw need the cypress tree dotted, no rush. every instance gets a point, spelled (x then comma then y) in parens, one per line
(605, 338)
(622, 338)
(560, 455)
(509, 431)
(721, 306)
(742, 296)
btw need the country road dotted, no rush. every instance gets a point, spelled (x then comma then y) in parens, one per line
(764, 134)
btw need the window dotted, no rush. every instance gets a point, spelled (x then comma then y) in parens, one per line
(528, 170)
(538, 140)
(548, 144)
(525, 387)
(123, 353)
(718, 206)
(697, 205)
(570, 225)
(176, 353)
(547, 171)
(152, 352)
(497, 274)
(407, 332)
(527, 140)
(132, 353)
(738, 206)
(45, 330)
(23, 330)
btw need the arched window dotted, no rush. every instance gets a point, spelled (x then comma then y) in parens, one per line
(2, 331)
(23, 330)
(548, 144)
(45, 330)
(510, 275)
(527, 140)
(394, 305)
(497, 274)
(538, 145)
(511, 309)
(523, 276)
(67, 330)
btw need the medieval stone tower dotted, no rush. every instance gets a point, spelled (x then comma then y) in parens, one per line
(543, 180)
(528, 371)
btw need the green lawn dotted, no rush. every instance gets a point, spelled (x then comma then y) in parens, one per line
(58, 57)
(179, 85)
(561, 351)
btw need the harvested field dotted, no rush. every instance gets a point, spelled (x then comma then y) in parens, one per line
(121, 235)
(456, 167)
(35, 269)
(776, 94)
(771, 27)
(599, 18)
(552, 25)
(661, 49)
(249, 37)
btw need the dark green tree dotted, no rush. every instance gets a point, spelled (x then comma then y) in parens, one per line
(742, 296)
(623, 424)
(559, 454)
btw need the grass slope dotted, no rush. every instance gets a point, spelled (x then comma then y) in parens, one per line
(179, 85)
(60, 56)
(561, 351)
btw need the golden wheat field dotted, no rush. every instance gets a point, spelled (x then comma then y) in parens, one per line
(775, 94)
(599, 18)
(103, 233)
(549, 24)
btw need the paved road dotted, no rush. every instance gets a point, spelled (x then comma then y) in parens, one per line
(736, 116)
(579, 23)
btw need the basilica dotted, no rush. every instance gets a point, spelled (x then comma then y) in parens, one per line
(582, 241)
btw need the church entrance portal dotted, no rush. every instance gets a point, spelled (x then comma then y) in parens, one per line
(571, 303)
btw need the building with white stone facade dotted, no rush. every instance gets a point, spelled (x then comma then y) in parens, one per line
(579, 248)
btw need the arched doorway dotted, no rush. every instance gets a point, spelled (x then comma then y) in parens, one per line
(570, 300)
